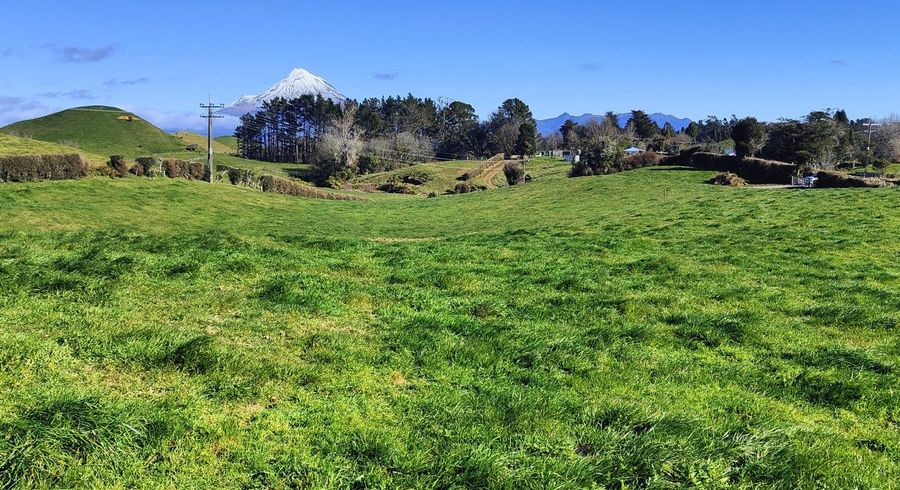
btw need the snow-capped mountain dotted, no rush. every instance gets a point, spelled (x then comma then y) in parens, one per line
(298, 82)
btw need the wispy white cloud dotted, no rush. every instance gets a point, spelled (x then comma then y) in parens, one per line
(13, 109)
(78, 54)
(115, 83)
(591, 66)
(80, 94)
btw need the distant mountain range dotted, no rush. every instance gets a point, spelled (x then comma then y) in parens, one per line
(548, 126)
(298, 82)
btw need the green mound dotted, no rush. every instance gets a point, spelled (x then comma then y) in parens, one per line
(229, 141)
(98, 129)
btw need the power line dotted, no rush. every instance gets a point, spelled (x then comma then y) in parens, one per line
(209, 106)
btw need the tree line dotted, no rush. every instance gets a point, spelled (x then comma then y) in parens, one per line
(344, 139)
(824, 139)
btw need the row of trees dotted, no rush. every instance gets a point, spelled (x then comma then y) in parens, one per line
(823, 139)
(604, 135)
(341, 140)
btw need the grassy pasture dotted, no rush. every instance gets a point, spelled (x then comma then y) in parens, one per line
(443, 175)
(638, 330)
(13, 145)
(188, 138)
(228, 141)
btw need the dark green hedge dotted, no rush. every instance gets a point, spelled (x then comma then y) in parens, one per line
(754, 170)
(24, 168)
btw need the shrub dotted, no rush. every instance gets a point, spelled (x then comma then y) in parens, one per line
(240, 176)
(463, 188)
(23, 168)
(515, 173)
(118, 165)
(728, 178)
(396, 186)
(418, 177)
(151, 165)
(646, 159)
(195, 170)
(137, 170)
(173, 168)
(581, 169)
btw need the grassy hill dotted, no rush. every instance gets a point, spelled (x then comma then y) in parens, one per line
(188, 138)
(98, 129)
(228, 141)
(638, 330)
(13, 145)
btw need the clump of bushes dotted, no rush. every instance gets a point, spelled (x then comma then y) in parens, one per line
(646, 159)
(24, 168)
(172, 168)
(514, 172)
(277, 185)
(240, 176)
(152, 166)
(729, 179)
(137, 170)
(465, 187)
(191, 170)
(417, 177)
(606, 159)
(753, 170)
(118, 165)
(395, 185)
(842, 180)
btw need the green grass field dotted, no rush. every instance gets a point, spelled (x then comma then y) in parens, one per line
(188, 138)
(443, 175)
(14, 145)
(638, 330)
(229, 141)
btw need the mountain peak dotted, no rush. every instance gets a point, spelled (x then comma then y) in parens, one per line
(299, 82)
(548, 126)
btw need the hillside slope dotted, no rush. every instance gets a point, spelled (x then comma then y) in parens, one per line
(189, 138)
(637, 330)
(14, 145)
(228, 141)
(98, 129)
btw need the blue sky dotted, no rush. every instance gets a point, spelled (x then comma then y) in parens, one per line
(161, 58)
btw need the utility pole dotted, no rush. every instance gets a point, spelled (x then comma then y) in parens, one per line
(210, 107)
(870, 125)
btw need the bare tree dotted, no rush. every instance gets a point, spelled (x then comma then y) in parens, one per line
(341, 145)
